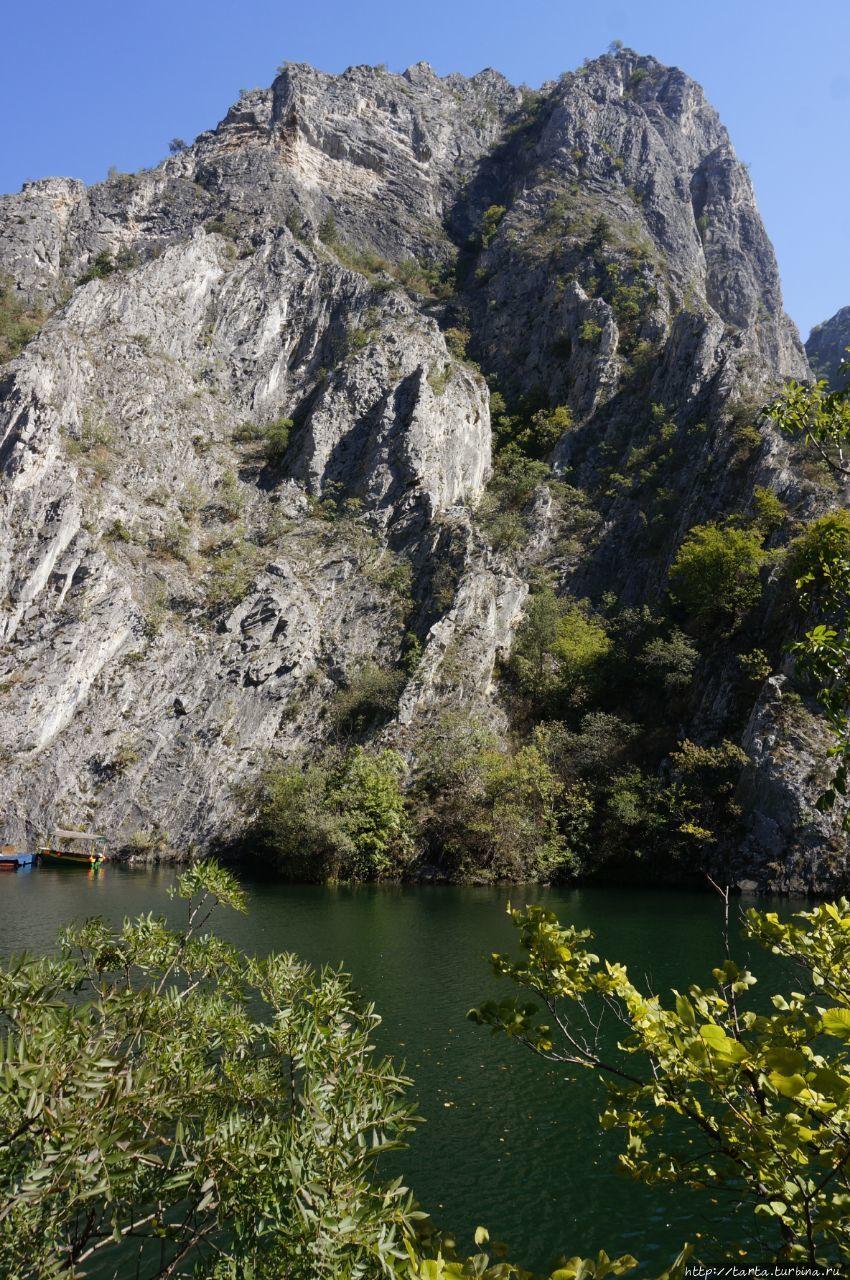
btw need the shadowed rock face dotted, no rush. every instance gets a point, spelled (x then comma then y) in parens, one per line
(827, 345)
(180, 597)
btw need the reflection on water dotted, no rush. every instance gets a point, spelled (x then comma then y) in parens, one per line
(509, 1141)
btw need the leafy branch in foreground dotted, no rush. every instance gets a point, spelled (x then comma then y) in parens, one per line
(710, 1092)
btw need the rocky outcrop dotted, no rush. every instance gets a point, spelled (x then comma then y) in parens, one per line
(826, 347)
(184, 588)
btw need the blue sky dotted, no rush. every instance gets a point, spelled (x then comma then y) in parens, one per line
(90, 84)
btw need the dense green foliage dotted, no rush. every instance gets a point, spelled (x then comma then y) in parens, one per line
(368, 699)
(716, 574)
(484, 812)
(559, 652)
(101, 268)
(343, 817)
(490, 223)
(572, 800)
(713, 1089)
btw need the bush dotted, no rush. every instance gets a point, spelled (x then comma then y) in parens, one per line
(227, 227)
(531, 661)
(276, 440)
(368, 700)
(547, 427)
(271, 440)
(487, 813)
(340, 818)
(118, 532)
(558, 652)
(580, 647)
(747, 442)
(328, 233)
(755, 665)
(533, 433)
(456, 341)
(818, 557)
(490, 223)
(600, 746)
(232, 571)
(590, 332)
(715, 576)
(670, 661)
(769, 511)
(102, 267)
(516, 477)
(230, 495)
(19, 320)
(708, 777)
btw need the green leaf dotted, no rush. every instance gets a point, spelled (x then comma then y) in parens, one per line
(836, 1022)
(785, 1061)
(685, 1010)
(788, 1085)
(721, 1045)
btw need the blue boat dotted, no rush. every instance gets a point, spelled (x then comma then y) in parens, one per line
(11, 860)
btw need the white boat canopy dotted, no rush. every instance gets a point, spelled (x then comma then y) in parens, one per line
(77, 835)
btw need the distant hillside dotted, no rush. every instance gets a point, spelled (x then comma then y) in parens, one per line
(827, 346)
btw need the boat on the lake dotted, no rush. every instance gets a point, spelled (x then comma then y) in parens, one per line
(11, 858)
(75, 848)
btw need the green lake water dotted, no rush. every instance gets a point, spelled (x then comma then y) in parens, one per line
(509, 1141)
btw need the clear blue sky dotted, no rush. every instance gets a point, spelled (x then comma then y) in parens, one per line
(89, 84)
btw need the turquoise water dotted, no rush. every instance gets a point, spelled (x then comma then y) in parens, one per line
(509, 1142)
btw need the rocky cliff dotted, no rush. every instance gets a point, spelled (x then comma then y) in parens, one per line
(826, 347)
(248, 449)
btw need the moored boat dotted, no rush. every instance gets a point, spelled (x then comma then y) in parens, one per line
(11, 858)
(75, 848)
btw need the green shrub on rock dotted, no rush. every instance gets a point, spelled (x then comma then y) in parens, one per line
(558, 652)
(19, 321)
(715, 576)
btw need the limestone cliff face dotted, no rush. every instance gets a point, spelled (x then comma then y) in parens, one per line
(178, 595)
(826, 347)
